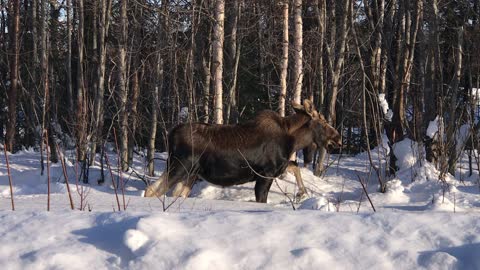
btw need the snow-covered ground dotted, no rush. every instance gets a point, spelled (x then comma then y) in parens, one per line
(419, 223)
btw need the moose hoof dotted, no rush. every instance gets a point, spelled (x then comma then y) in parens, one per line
(148, 192)
(300, 196)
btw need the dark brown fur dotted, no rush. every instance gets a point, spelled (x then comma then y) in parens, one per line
(227, 155)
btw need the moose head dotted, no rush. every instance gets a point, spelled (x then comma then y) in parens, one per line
(322, 133)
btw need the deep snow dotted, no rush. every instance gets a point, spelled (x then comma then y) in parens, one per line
(420, 223)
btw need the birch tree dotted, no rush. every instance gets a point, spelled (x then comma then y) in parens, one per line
(122, 85)
(284, 63)
(298, 52)
(218, 59)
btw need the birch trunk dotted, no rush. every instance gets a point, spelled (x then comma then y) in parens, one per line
(284, 64)
(122, 86)
(154, 113)
(218, 60)
(234, 60)
(298, 52)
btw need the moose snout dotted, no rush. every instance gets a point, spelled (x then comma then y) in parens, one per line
(336, 143)
(339, 143)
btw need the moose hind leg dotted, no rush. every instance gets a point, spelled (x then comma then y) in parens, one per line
(262, 186)
(158, 188)
(183, 188)
(166, 181)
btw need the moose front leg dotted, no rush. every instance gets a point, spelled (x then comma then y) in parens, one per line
(295, 170)
(262, 187)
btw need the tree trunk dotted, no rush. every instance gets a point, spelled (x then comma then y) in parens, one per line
(284, 64)
(44, 76)
(81, 92)
(234, 60)
(218, 60)
(420, 106)
(14, 30)
(69, 57)
(452, 123)
(261, 48)
(405, 55)
(339, 59)
(133, 115)
(335, 63)
(100, 91)
(190, 71)
(53, 54)
(207, 79)
(154, 114)
(122, 86)
(298, 52)
(398, 120)
(320, 11)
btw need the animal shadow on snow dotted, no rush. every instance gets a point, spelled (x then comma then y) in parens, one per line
(466, 257)
(225, 193)
(410, 208)
(469, 189)
(107, 234)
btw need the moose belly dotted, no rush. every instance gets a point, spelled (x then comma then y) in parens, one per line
(235, 169)
(226, 173)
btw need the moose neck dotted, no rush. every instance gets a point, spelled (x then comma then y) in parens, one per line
(295, 122)
(303, 138)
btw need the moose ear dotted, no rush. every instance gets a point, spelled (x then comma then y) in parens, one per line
(309, 107)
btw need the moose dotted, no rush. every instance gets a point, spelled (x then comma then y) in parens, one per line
(256, 151)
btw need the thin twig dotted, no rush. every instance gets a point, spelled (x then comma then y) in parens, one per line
(9, 176)
(253, 170)
(48, 170)
(82, 191)
(286, 195)
(65, 174)
(139, 176)
(113, 180)
(366, 193)
(120, 179)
